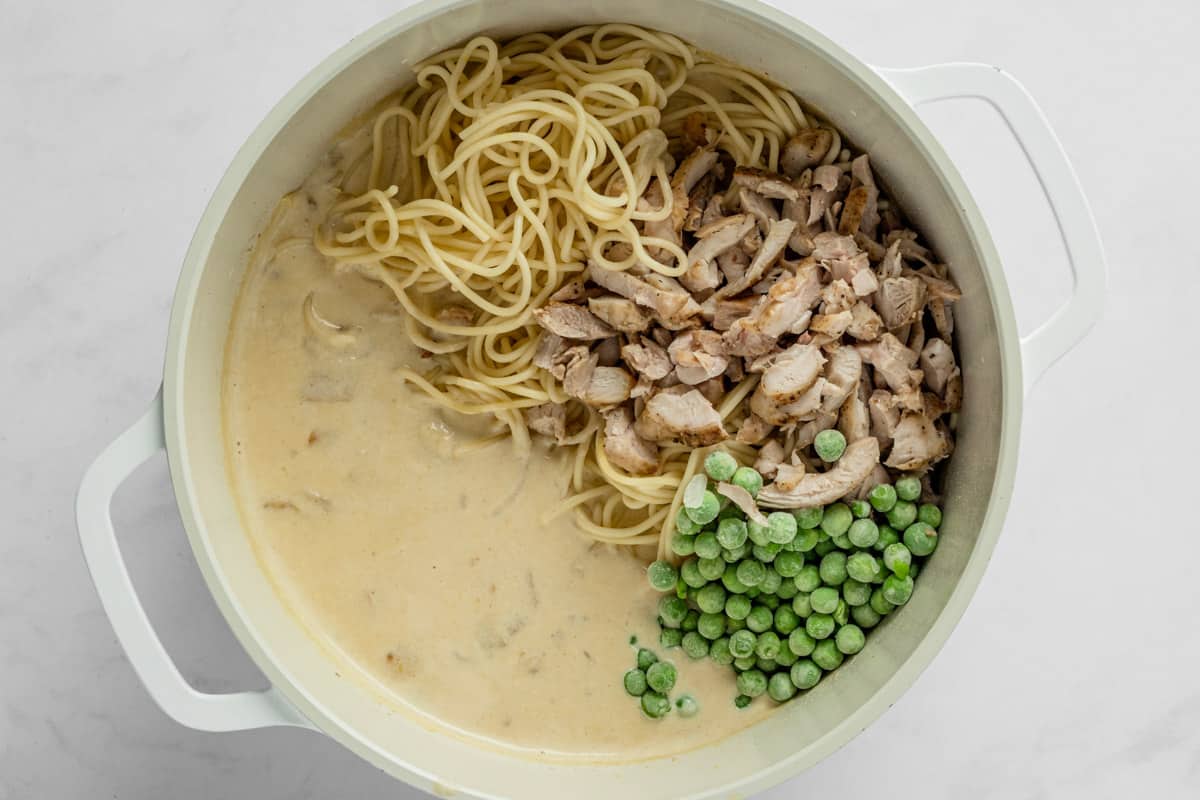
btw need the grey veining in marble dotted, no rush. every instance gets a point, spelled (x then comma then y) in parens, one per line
(1076, 671)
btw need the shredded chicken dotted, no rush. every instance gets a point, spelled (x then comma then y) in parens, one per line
(624, 448)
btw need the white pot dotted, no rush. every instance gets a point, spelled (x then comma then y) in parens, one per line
(871, 109)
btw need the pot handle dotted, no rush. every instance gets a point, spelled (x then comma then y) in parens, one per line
(205, 712)
(1055, 337)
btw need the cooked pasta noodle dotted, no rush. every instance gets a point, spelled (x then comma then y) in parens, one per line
(498, 175)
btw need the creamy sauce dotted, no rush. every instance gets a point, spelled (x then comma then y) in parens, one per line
(429, 572)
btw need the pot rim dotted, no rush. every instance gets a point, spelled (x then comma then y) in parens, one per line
(181, 472)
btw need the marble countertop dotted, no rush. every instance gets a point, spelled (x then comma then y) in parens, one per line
(1074, 674)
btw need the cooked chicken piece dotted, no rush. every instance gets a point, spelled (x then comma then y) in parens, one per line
(548, 419)
(782, 310)
(855, 271)
(819, 489)
(939, 287)
(837, 296)
(688, 174)
(855, 420)
(698, 356)
(772, 249)
(919, 443)
(937, 362)
(743, 500)
(671, 303)
(831, 246)
(899, 301)
(768, 184)
(733, 263)
(758, 207)
(853, 210)
(689, 418)
(620, 313)
(727, 312)
(736, 371)
(943, 317)
(754, 430)
(860, 170)
(827, 176)
(892, 264)
(643, 387)
(770, 456)
(831, 326)
(803, 408)
(842, 374)
(916, 337)
(663, 336)
(885, 416)
(790, 373)
(698, 202)
(695, 132)
(819, 202)
(572, 322)
(624, 448)
(664, 228)
(865, 324)
(713, 390)
(806, 149)
(893, 362)
(788, 476)
(752, 242)
(806, 434)
(609, 386)
(647, 358)
(549, 349)
(715, 239)
(954, 391)
(872, 248)
(579, 373)
(797, 210)
(570, 292)
(564, 359)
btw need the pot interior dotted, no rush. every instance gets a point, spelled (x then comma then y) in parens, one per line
(284, 150)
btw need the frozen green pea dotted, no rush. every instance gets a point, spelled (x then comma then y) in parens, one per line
(801, 643)
(766, 552)
(741, 643)
(820, 626)
(687, 705)
(711, 569)
(635, 682)
(711, 598)
(788, 565)
(786, 619)
(734, 625)
(861, 509)
(655, 705)
(645, 658)
(767, 645)
(691, 620)
(908, 488)
(780, 687)
(880, 604)
(824, 546)
(862, 566)
(896, 590)
(685, 524)
(707, 545)
(741, 701)
(745, 663)
(690, 572)
(707, 511)
(930, 514)
(760, 619)
(732, 533)
(787, 590)
(730, 580)
(683, 544)
(771, 581)
(786, 657)
(850, 639)
(718, 651)
(837, 519)
(672, 610)
(751, 572)
(720, 466)
(827, 656)
(902, 515)
(748, 479)
(770, 601)
(808, 518)
(887, 535)
(830, 445)
(824, 600)
(711, 626)
(856, 593)
(808, 578)
(882, 497)
(737, 606)
(806, 539)
(805, 674)
(662, 575)
(842, 541)
(752, 683)
(736, 554)
(898, 559)
(864, 616)
(863, 533)
(758, 533)
(661, 676)
(802, 605)
(841, 614)
(670, 637)
(781, 527)
(833, 569)
(694, 645)
(920, 538)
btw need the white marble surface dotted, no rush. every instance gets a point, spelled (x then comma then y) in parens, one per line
(1076, 671)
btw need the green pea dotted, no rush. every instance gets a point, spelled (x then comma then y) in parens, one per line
(753, 592)
(786, 657)
(864, 616)
(908, 488)
(808, 578)
(882, 497)
(808, 518)
(737, 606)
(734, 625)
(837, 519)
(720, 466)
(736, 554)
(806, 539)
(930, 514)
(920, 538)
(672, 610)
(827, 656)
(833, 569)
(752, 682)
(741, 643)
(711, 598)
(786, 620)
(748, 479)
(691, 620)
(635, 682)
(707, 545)
(711, 569)
(741, 701)
(824, 600)
(850, 639)
(898, 559)
(760, 619)
(718, 651)
(842, 542)
(802, 605)
(683, 545)
(824, 546)
(880, 604)
(743, 664)
(780, 688)
(662, 575)
(856, 593)
(661, 676)
(681, 587)
(685, 524)
(645, 658)
(820, 626)
(781, 527)
(801, 643)
(902, 515)
(690, 572)
(711, 626)
(787, 590)
(687, 705)
(887, 535)
(805, 674)
(768, 645)
(897, 590)
(766, 552)
(695, 645)
(863, 533)
(758, 533)
(655, 705)
(913, 570)
(732, 533)
(788, 565)
(770, 601)
(707, 511)
(771, 581)
(730, 581)
(841, 614)
(751, 572)
(862, 566)
(861, 509)
(670, 637)
(830, 445)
